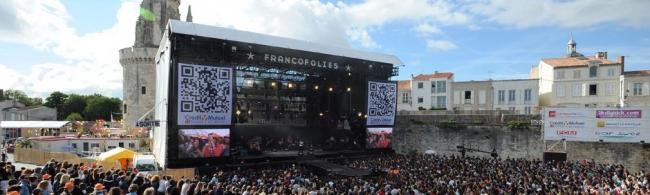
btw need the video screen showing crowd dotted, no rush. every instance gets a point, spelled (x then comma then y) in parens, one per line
(379, 138)
(204, 143)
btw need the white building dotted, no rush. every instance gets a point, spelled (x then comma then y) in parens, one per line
(520, 96)
(472, 96)
(636, 85)
(579, 81)
(404, 99)
(431, 91)
(83, 145)
(11, 110)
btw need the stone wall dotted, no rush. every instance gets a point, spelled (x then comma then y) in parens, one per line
(420, 137)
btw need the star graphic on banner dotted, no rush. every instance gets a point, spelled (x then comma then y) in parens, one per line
(250, 55)
(348, 68)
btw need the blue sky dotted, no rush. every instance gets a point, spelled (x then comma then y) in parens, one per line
(72, 45)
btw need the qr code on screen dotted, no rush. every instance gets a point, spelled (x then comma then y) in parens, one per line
(205, 89)
(382, 99)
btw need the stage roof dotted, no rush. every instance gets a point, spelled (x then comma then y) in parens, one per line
(275, 41)
(33, 124)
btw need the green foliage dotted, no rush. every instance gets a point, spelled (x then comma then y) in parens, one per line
(57, 100)
(74, 103)
(101, 107)
(21, 97)
(74, 117)
(517, 124)
(416, 122)
(451, 125)
(25, 143)
(73, 107)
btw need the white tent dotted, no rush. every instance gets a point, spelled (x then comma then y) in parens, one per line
(32, 124)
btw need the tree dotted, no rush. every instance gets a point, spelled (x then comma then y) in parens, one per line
(74, 117)
(21, 97)
(74, 103)
(101, 107)
(57, 100)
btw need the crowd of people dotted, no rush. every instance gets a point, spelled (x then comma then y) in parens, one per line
(394, 174)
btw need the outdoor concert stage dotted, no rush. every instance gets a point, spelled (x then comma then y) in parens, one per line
(225, 95)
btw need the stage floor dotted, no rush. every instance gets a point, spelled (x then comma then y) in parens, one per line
(294, 154)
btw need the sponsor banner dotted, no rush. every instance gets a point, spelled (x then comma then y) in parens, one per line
(204, 95)
(617, 124)
(566, 113)
(382, 103)
(618, 114)
(567, 124)
(596, 124)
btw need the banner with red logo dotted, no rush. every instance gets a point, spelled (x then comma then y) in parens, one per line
(597, 124)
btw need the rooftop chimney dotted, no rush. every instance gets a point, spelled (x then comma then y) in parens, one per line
(602, 55)
(412, 76)
(621, 60)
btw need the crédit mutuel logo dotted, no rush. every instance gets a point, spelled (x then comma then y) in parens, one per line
(572, 124)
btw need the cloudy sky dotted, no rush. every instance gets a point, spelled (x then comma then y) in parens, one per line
(72, 45)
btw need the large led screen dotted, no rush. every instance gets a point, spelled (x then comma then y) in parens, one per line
(203, 143)
(379, 138)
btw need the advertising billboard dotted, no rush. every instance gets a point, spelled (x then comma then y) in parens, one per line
(597, 124)
(204, 95)
(382, 103)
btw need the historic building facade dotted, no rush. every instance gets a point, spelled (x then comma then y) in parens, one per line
(636, 85)
(579, 81)
(139, 71)
(431, 91)
(520, 96)
(472, 95)
(404, 100)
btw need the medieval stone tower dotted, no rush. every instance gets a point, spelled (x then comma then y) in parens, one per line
(139, 70)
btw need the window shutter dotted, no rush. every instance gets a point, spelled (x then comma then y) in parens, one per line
(472, 97)
(456, 97)
(584, 89)
(481, 97)
(646, 89)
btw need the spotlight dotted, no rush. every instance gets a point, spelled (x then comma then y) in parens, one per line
(316, 87)
(250, 111)
(320, 114)
(349, 89)
(359, 114)
(349, 74)
(273, 84)
(290, 85)
(365, 116)
(331, 89)
(238, 112)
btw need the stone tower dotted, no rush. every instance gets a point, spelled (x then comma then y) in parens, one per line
(138, 68)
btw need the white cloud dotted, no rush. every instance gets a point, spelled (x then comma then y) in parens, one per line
(427, 29)
(91, 60)
(36, 23)
(440, 45)
(326, 23)
(585, 13)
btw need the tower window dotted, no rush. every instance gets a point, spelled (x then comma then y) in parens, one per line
(124, 108)
(144, 90)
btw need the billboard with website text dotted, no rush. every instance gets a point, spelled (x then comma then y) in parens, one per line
(597, 124)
